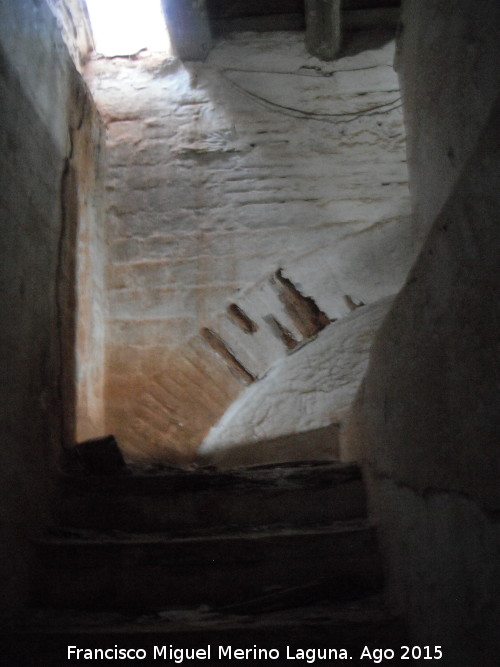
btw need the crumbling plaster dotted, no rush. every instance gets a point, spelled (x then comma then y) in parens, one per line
(311, 389)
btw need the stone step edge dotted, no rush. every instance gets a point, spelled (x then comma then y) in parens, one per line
(371, 609)
(123, 538)
(264, 473)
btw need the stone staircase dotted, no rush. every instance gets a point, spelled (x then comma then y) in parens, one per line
(273, 556)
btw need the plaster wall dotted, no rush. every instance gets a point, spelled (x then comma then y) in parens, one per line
(426, 417)
(222, 172)
(45, 107)
(448, 68)
(91, 302)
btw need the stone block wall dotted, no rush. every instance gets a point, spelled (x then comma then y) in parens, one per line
(220, 174)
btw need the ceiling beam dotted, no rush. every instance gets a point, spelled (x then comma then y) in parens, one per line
(189, 28)
(323, 32)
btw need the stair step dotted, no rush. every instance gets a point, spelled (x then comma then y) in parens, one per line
(156, 571)
(44, 638)
(175, 499)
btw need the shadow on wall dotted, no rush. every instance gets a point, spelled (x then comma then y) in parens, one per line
(426, 422)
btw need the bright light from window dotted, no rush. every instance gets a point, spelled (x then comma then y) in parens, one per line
(123, 27)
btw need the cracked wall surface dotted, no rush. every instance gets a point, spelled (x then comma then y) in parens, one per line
(219, 174)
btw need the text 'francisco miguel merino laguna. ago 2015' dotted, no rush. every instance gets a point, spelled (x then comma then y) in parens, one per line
(177, 655)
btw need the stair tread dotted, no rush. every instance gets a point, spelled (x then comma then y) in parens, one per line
(262, 532)
(141, 542)
(192, 479)
(179, 502)
(44, 638)
(367, 610)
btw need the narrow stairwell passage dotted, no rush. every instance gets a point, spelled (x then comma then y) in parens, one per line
(278, 559)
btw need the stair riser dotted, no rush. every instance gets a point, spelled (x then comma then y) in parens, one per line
(155, 575)
(239, 508)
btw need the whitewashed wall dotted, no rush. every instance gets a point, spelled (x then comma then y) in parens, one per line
(221, 173)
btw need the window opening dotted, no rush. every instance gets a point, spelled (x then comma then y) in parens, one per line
(124, 27)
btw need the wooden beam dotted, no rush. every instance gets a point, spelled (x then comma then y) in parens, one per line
(189, 28)
(323, 34)
(244, 8)
(264, 23)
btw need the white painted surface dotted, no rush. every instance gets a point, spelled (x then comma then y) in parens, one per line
(312, 388)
